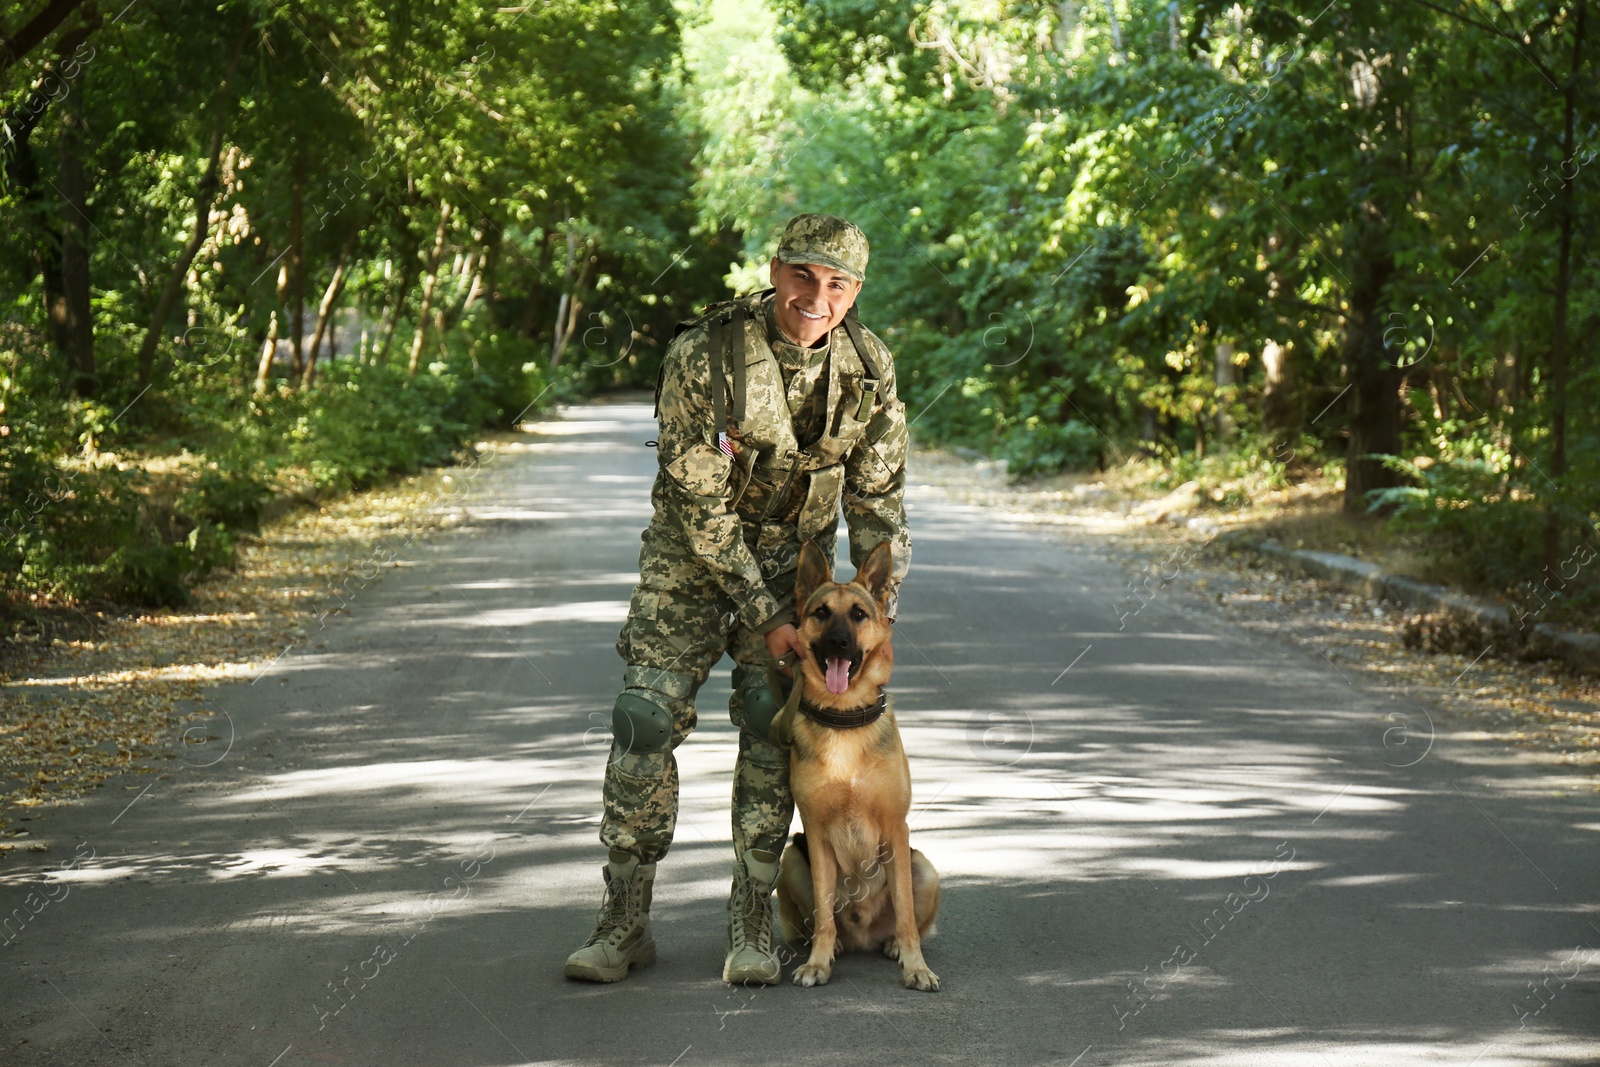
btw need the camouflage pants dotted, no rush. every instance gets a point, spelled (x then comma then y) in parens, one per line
(681, 621)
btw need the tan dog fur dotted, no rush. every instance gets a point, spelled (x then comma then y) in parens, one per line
(853, 790)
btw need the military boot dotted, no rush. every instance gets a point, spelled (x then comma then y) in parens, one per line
(751, 959)
(622, 938)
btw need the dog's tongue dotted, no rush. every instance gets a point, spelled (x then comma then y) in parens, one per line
(838, 674)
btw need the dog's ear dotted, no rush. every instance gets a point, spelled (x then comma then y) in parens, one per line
(815, 570)
(876, 571)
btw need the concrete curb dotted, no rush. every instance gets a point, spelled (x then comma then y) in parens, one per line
(1499, 624)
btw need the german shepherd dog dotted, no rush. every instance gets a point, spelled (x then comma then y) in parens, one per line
(851, 782)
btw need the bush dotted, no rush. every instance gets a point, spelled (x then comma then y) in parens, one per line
(363, 423)
(229, 499)
(1485, 534)
(82, 532)
(955, 399)
(95, 535)
(1040, 447)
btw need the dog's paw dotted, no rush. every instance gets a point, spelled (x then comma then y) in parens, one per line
(891, 947)
(921, 978)
(810, 974)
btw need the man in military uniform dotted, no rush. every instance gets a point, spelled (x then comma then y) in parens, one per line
(775, 410)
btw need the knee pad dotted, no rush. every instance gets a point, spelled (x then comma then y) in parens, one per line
(642, 719)
(639, 723)
(761, 705)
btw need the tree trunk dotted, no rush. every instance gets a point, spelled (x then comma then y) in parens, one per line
(77, 319)
(1558, 338)
(1226, 377)
(491, 274)
(296, 264)
(1374, 379)
(47, 261)
(36, 30)
(557, 338)
(22, 170)
(1116, 27)
(204, 198)
(269, 348)
(466, 272)
(571, 306)
(475, 288)
(1280, 403)
(329, 296)
(428, 284)
(407, 265)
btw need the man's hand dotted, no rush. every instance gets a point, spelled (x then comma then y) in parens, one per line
(781, 642)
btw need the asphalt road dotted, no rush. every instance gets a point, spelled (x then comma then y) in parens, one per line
(1163, 840)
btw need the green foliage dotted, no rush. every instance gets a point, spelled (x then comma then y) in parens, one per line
(367, 422)
(1472, 523)
(492, 199)
(849, 38)
(1043, 446)
(89, 534)
(1092, 224)
(88, 531)
(1238, 475)
(229, 499)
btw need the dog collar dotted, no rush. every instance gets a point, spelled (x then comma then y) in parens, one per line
(847, 720)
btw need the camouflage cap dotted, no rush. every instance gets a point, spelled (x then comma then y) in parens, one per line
(826, 240)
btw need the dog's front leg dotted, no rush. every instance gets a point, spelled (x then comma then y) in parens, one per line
(913, 969)
(824, 876)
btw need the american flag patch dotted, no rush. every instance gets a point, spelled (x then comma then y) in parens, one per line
(725, 444)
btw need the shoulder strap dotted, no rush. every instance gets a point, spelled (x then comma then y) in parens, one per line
(735, 341)
(715, 341)
(852, 326)
(723, 346)
(869, 384)
(726, 346)
(736, 350)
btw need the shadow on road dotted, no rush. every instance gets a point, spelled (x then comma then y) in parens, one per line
(1167, 843)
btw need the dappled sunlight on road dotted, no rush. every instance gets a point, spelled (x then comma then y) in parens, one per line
(1166, 844)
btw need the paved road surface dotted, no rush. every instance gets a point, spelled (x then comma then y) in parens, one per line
(1169, 843)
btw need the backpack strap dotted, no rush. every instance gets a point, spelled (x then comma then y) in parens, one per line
(736, 349)
(735, 341)
(852, 326)
(725, 347)
(717, 337)
(869, 384)
(710, 317)
(725, 344)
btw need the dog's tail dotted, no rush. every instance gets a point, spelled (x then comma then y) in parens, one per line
(800, 844)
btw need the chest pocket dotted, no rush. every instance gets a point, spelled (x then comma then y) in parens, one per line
(821, 508)
(848, 420)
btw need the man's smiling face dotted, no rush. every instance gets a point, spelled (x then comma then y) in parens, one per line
(811, 299)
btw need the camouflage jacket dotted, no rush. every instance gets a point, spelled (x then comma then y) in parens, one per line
(744, 515)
